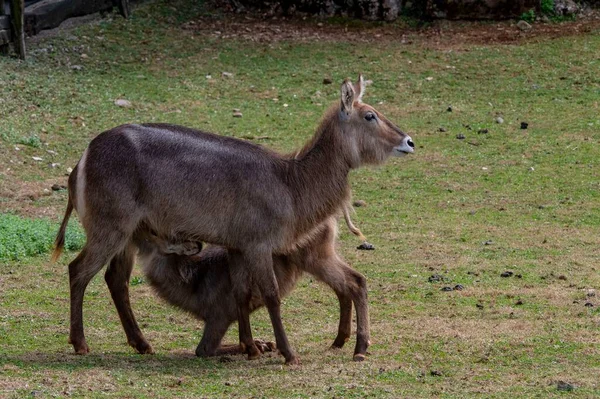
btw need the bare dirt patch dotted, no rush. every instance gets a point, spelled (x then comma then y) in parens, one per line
(438, 34)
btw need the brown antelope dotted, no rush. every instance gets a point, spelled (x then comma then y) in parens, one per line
(186, 185)
(200, 283)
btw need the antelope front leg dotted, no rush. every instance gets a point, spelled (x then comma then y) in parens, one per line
(261, 266)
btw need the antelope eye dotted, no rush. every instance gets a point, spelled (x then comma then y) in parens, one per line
(369, 116)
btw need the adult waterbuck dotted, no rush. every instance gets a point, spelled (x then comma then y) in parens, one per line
(200, 283)
(186, 185)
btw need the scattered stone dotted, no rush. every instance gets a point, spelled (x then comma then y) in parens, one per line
(506, 274)
(524, 125)
(435, 373)
(566, 8)
(499, 120)
(564, 386)
(429, 78)
(51, 152)
(208, 77)
(37, 158)
(359, 203)
(69, 170)
(227, 74)
(460, 136)
(479, 306)
(449, 109)
(459, 287)
(442, 129)
(519, 303)
(435, 278)
(58, 187)
(76, 67)
(120, 102)
(446, 289)
(591, 293)
(518, 275)
(562, 277)
(237, 114)
(531, 169)
(327, 81)
(524, 26)
(482, 131)
(488, 242)
(54, 165)
(589, 305)
(365, 246)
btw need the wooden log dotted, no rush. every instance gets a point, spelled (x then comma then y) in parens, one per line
(123, 6)
(17, 15)
(4, 31)
(48, 14)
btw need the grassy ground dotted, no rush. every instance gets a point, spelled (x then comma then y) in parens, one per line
(525, 201)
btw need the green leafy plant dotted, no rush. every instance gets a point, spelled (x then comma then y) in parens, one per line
(528, 16)
(21, 237)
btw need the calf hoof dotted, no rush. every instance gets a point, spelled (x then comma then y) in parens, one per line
(265, 346)
(252, 351)
(359, 357)
(339, 342)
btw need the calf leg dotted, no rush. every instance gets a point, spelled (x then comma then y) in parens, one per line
(347, 283)
(117, 278)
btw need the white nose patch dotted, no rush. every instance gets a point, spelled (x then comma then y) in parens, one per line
(406, 147)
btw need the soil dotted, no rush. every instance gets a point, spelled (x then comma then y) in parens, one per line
(438, 34)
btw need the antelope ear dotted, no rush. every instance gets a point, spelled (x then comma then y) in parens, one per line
(348, 95)
(359, 88)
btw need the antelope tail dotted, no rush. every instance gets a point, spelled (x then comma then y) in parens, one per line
(59, 243)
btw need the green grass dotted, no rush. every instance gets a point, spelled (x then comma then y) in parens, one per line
(533, 193)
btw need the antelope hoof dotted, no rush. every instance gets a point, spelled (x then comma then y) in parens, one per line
(339, 342)
(80, 348)
(293, 361)
(359, 357)
(252, 351)
(143, 347)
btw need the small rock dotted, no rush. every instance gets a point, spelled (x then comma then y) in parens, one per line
(120, 102)
(590, 293)
(84, 56)
(208, 77)
(589, 305)
(237, 114)
(69, 170)
(479, 306)
(524, 125)
(359, 203)
(524, 26)
(227, 74)
(519, 303)
(54, 165)
(435, 373)
(58, 187)
(518, 275)
(506, 274)
(76, 67)
(435, 278)
(429, 78)
(499, 120)
(327, 81)
(446, 289)
(482, 131)
(37, 158)
(562, 277)
(459, 287)
(365, 246)
(564, 386)
(449, 109)
(488, 242)
(442, 129)
(460, 136)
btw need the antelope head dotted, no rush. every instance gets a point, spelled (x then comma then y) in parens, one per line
(372, 137)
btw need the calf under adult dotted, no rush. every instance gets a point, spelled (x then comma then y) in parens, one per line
(184, 184)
